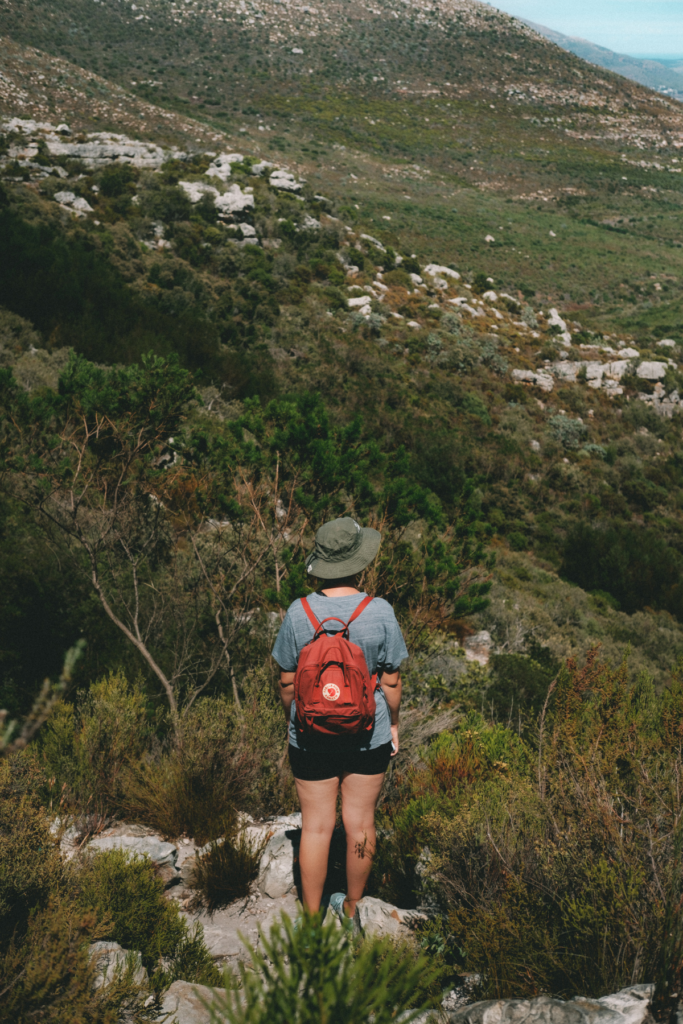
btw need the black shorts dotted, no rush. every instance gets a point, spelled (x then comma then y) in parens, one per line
(336, 759)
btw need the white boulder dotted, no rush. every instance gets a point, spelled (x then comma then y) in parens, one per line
(490, 296)
(359, 302)
(186, 1003)
(479, 646)
(540, 378)
(196, 190)
(260, 167)
(667, 343)
(435, 268)
(163, 855)
(103, 148)
(276, 870)
(234, 200)
(286, 181)
(629, 353)
(113, 960)
(375, 241)
(629, 1006)
(221, 166)
(375, 917)
(652, 370)
(73, 201)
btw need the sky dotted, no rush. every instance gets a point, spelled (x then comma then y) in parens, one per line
(641, 28)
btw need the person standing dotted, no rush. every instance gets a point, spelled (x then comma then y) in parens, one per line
(324, 764)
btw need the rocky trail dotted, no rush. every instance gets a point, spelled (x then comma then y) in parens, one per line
(228, 932)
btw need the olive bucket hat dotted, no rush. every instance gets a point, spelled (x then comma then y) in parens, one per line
(342, 548)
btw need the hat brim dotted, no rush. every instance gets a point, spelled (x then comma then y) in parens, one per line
(369, 546)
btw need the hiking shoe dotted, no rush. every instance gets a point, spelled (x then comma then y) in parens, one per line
(337, 905)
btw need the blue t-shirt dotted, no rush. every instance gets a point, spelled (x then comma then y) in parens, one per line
(376, 632)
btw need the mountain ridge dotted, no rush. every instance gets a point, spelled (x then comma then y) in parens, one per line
(649, 72)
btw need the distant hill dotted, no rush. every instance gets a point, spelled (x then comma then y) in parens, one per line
(662, 75)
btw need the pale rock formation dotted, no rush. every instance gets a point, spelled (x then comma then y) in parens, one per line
(221, 167)
(113, 960)
(490, 296)
(667, 343)
(262, 165)
(478, 647)
(186, 1003)
(375, 241)
(663, 404)
(555, 320)
(286, 181)
(104, 148)
(375, 917)
(416, 279)
(234, 200)
(73, 202)
(629, 1006)
(276, 872)
(196, 190)
(439, 271)
(540, 378)
(163, 855)
(652, 370)
(358, 302)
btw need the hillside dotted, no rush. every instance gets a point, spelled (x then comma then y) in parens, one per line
(245, 289)
(660, 75)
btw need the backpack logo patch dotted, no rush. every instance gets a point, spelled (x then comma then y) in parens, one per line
(331, 691)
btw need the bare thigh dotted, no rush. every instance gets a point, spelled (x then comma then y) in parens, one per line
(318, 804)
(359, 800)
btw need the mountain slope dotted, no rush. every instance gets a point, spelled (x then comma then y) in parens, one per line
(652, 73)
(436, 125)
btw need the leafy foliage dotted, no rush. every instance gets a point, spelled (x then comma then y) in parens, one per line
(313, 972)
(127, 891)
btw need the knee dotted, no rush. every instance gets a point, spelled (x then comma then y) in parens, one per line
(317, 829)
(360, 830)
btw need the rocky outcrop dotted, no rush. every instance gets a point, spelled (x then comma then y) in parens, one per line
(233, 200)
(375, 917)
(285, 181)
(163, 855)
(187, 1003)
(629, 1006)
(112, 961)
(221, 166)
(541, 378)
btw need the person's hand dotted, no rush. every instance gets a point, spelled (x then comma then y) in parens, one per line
(394, 740)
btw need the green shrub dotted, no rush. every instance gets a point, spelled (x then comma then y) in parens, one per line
(89, 745)
(31, 869)
(316, 973)
(49, 976)
(570, 433)
(127, 892)
(225, 872)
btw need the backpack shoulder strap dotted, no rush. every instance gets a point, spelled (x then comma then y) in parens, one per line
(360, 609)
(307, 608)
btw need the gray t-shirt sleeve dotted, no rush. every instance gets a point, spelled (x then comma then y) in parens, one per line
(394, 649)
(285, 650)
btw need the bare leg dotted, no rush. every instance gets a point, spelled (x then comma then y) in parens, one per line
(359, 799)
(318, 814)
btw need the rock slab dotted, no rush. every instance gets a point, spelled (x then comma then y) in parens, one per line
(112, 959)
(187, 1002)
(163, 855)
(629, 1006)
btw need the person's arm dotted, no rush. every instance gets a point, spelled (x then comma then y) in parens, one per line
(287, 693)
(392, 687)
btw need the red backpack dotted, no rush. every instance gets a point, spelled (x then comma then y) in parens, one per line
(333, 690)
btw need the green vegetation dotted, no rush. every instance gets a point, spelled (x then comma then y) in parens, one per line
(181, 409)
(544, 884)
(315, 972)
